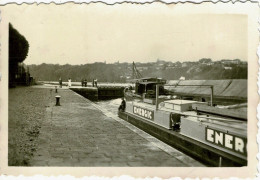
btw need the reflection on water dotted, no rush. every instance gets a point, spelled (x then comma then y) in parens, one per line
(110, 105)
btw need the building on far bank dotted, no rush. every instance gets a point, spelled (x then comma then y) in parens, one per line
(235, 61)
(227, 68)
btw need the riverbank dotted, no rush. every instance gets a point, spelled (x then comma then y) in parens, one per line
(79, 133)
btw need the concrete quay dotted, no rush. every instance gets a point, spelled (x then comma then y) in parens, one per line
(79, 133)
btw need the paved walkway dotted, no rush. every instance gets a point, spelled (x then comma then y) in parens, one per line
(80, 133)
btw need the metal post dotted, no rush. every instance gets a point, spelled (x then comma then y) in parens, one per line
(57, 100)
(56, 90)
(211, 95)
(157, 96)
(220, 162)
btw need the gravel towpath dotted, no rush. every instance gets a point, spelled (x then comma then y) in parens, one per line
(27, 111)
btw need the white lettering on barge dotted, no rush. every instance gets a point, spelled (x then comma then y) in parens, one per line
(146, 113)
(226, 140)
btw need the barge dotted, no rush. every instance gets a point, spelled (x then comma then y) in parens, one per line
(215, 135)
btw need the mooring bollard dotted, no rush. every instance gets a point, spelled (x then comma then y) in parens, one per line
(56, 89)
(57, 100)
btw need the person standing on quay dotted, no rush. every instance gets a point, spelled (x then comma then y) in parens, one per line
(85, 82)
(123, 105)
(82, 82)
(60, 82)
(69, 82)
(95, 82)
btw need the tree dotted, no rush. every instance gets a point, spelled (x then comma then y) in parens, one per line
(18, 50)
(205, 60)
(178, 63)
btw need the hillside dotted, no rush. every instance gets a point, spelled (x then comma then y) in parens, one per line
(201, 72)
(120, 72)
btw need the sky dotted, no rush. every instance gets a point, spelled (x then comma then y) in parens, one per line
(80, 34)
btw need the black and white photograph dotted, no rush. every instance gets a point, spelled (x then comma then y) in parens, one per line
(130, 85)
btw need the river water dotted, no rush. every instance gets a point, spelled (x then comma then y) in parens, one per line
(110, 105)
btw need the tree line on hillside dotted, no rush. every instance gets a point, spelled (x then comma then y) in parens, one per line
(118, 73)
(52, 72)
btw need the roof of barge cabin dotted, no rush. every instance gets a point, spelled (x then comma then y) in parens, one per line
(228, 88)
(149, 79)
(152, 80)
(149, 82)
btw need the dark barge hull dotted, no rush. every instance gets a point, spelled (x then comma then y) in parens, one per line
(100, 92)
(202, 152)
